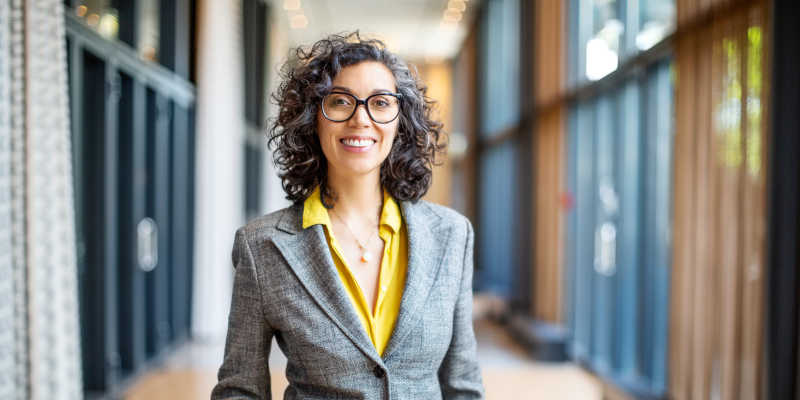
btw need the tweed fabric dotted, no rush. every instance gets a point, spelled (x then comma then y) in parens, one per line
(286, 286)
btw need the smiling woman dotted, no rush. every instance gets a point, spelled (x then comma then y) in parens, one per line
(310, 78)
(344, 277)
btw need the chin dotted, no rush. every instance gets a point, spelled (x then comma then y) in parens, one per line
(360, 168)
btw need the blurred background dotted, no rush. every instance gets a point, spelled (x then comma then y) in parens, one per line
(630, 167)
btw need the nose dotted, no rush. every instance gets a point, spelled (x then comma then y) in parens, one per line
(361, 117)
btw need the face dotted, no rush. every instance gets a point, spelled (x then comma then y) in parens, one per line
(359, 145)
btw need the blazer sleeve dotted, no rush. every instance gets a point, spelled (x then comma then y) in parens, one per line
(459, 374)
(244, 373)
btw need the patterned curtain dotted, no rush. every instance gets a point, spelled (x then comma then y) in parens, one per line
(39, 332)
(9, 326)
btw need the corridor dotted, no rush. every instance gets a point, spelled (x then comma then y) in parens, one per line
(628, 168)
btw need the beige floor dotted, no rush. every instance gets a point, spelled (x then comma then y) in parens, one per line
(507, 372)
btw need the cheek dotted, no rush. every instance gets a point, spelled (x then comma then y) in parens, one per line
(324, 133)
(388, 141)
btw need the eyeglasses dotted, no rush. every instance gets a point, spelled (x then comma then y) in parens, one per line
(381, 107)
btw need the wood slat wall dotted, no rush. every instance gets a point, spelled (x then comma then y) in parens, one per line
(549, 160)
(464, 118)
(719, 199)
(437, 76)
(549, 243)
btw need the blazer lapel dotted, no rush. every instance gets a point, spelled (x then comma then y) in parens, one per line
(426, 248)
(306, 251)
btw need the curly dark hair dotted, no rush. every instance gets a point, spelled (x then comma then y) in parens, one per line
(307, 77)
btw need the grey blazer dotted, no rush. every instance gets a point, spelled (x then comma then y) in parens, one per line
(287, 286)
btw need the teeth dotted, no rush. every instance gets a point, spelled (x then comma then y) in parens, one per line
(358, 143)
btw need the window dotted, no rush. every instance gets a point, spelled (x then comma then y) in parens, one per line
(254, 17)
(499, 254)
(619, 174)
(133, 138)
(499, 95)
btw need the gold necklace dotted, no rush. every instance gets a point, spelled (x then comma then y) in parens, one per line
(366, 256)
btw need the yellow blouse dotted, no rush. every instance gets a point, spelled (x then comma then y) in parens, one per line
(392, 276)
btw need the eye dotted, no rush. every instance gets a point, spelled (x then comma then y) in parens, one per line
(381, 101)
(338, 100)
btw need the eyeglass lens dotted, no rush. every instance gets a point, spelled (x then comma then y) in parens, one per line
(341, 106)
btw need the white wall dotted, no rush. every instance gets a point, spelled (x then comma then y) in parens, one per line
(273, 197)
(220, 134)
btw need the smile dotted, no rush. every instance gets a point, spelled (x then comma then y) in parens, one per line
(357, 143)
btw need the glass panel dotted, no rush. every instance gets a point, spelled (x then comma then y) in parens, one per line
(104, 17)
(656, 21)
(100, 15)
(603, 45)
(628, 175)
(495, 245)
(582, 177)
(655, 247)
(605, 32)
(604, 197)
(618, 252)
(500, 59)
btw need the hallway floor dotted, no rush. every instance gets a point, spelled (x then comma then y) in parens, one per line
(508, 373)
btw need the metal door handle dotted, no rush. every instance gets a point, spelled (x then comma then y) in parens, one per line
(605, 261)
(147, 244)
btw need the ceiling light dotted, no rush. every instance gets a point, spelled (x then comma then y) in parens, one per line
(298, 21)
(290, 5)
(457, 5)
(108, 25)
(93, 19)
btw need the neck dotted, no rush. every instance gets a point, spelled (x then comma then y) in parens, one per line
(358, 197)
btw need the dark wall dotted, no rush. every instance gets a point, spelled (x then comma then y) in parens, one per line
(783, 336)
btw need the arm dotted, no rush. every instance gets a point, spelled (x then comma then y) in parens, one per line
(459, 374)
(244, 373)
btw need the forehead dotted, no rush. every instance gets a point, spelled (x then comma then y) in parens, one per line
(365, 77)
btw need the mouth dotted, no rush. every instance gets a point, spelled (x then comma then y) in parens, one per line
(357, 143)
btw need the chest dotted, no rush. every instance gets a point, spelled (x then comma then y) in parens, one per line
(365, 272)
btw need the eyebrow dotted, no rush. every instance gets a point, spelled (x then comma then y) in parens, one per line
(342, 88)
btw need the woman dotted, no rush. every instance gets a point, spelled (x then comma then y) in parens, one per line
(366, 288)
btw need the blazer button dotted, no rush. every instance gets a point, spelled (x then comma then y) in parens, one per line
(378, 372)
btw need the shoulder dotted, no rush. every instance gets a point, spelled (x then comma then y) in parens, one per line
(262, 229)
(446, 217)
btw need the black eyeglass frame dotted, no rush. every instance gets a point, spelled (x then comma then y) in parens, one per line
(359, 102)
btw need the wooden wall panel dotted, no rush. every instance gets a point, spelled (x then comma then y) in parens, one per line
(549, 160)
(754, 207)
(550, 59)
(464, 117)
(549, 215)
(682, 292)
(727, 161)
(719, 216)
(438, 77)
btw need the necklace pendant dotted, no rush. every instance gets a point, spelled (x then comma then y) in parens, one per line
(366, 256)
